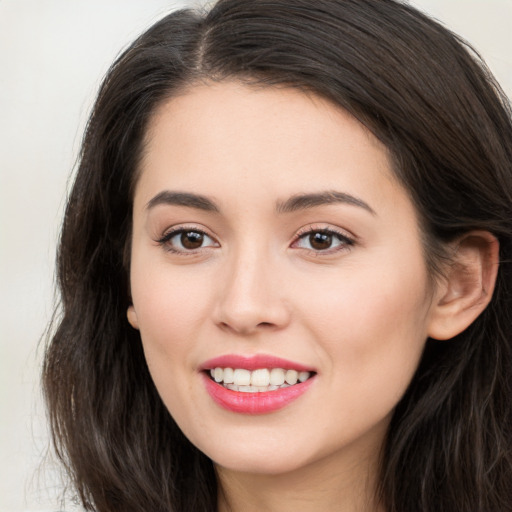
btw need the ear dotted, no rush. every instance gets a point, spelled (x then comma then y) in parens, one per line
(132, 317)
(468, 285)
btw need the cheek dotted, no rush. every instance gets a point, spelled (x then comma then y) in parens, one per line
(170, 303)
(170, 311)
(170, 307)
(371, 343)
(371, 320)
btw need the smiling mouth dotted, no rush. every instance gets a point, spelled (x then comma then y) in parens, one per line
(259, 380)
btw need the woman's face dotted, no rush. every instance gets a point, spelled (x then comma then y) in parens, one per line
(270, 234)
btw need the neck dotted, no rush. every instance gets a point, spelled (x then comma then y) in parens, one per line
(341, 482)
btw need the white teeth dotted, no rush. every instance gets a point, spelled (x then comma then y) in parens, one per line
(262, 379)
(255, 389)
(229, 375)
(303, 376)
(248, 389)
(218, 374)
(242, 377)
(276, 376)
(291, 377)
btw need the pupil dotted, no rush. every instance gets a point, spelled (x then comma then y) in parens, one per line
(192, 239)
(320, 240)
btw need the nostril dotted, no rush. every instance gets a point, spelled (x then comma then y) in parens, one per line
(245, 329)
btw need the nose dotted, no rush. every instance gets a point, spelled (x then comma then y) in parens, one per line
(252, 297)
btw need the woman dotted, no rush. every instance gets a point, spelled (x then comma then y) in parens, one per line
(285, 269)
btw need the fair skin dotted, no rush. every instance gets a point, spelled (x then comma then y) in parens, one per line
(339, 286)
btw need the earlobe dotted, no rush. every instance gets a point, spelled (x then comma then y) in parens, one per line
(132, 317)
(468, 285)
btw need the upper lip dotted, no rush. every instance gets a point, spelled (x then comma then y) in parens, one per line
(253, 362)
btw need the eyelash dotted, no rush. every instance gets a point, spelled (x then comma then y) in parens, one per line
(345, 242)
(168, 236)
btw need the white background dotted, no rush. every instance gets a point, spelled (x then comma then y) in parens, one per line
(53, 54)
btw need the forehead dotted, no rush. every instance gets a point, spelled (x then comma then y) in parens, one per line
(232, 140)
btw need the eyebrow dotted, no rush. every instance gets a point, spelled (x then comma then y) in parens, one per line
(293, 204)
(187, 199)
(305, 201)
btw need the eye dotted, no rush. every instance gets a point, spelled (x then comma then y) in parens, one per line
(184, 240)
(323, 240)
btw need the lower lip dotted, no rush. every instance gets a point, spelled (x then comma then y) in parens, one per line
(255, 403)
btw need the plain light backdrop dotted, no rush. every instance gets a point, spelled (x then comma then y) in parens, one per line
(53, 54)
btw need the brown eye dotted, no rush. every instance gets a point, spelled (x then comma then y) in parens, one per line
(323, 240)
(191, 239)
(183, 241)
(320, 241)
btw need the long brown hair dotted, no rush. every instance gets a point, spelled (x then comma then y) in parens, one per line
(427, 96)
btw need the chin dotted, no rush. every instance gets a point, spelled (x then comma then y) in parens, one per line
(258, 465)
(270, 458)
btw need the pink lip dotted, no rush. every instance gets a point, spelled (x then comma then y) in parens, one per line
(253, 363)
(254, 403)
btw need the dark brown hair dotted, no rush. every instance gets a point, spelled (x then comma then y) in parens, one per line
(427, 96)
